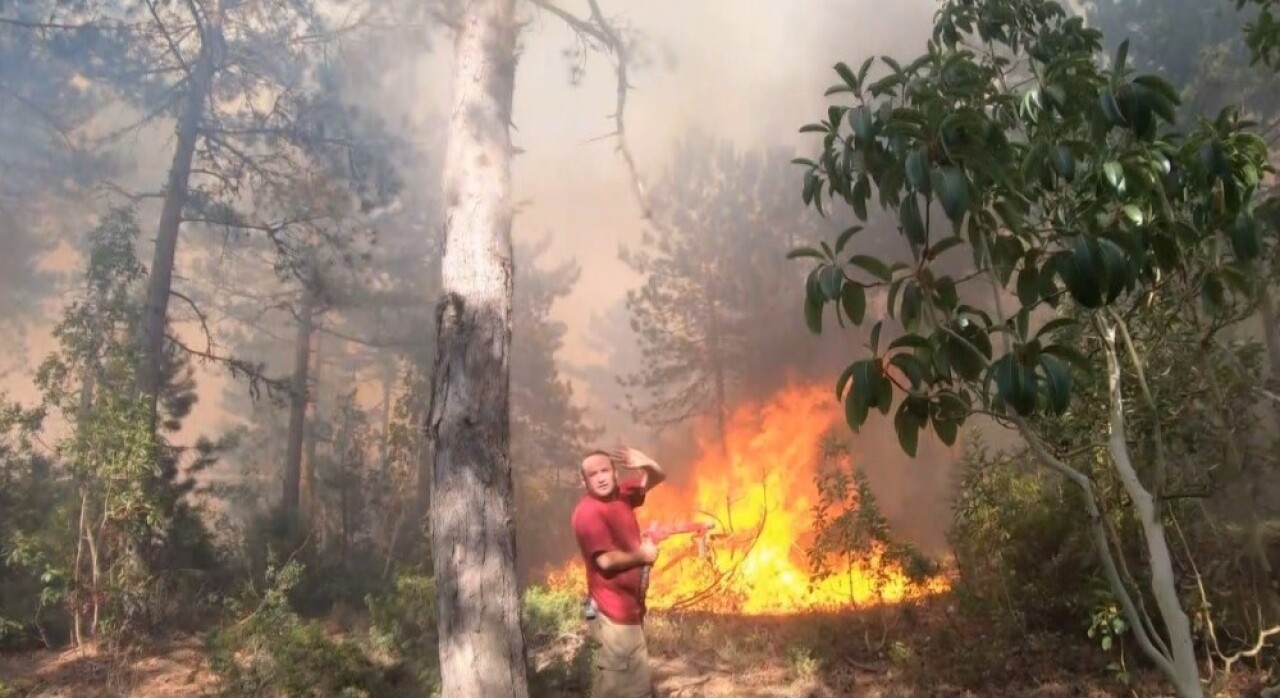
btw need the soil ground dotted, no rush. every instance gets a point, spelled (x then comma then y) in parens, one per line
(888, 654)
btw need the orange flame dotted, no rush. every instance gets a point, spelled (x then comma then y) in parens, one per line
(761, 498)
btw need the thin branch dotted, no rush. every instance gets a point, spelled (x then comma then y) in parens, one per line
(602, 31)
(1157, 435)
(204, 319)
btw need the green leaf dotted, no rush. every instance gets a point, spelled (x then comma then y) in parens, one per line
(947, 296)
(813, 313)
(854, 300)
(863, 123)
(1057, 382)
(1158, 85)
(946, 429)
(960, 350)
(912, 305)
(1064, 162)
(800, 252)
(1246, 242)
(1028, 284)
(942, 246)
(830, 280)
(912, 222)
(814, 128)
(1015, 384)
(843, 381)
(1115, 174)
(1082, 271)
(872, 266)
(858, 403)
(1213, 293)
(954, 193)
(918, 171)
(1122, 53)
(861, 192)
(846, 236)
(1053, 326)
(884, 390)
(913, 341)
(875, 336)
(847, 75)
(911, 366)
(1069, 355)
(907, 425)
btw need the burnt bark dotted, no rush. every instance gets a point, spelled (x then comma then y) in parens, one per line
(160, 281)
(481, 644)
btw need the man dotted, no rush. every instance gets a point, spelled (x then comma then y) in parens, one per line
(614, 554)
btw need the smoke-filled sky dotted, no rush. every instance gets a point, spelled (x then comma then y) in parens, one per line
(750, 70)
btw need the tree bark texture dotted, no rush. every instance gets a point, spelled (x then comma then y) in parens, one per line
(482, 652)
(1185, 673)
(298, 399)
(160, 281)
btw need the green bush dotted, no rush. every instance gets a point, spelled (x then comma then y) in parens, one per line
(269, 651)
(549, 613)
(1021, 544)
(403, 625)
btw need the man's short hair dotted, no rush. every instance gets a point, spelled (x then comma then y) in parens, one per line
(597, 452)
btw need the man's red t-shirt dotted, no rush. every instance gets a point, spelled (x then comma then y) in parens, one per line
(604, 525)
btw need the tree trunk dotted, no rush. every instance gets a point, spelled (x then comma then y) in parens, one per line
(482, 652)
(160, 281)
(298, 400)
(1185, 675)
(715, 351)
(307, 492)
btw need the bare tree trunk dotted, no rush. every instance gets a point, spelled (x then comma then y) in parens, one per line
(299, 399)
(388, 386)
(715, 350)
(482, 651)
(77, 572)
(310, 437)
(1185, 674)
(160, 281)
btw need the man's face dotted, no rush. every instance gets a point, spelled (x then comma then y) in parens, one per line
(598, 476)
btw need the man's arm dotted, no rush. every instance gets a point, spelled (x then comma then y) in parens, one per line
(651, 474)
(619, 560)
(597, 543)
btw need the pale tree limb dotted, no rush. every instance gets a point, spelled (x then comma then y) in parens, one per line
(1185, 673)
(599, 28)
(1157, 435)
(1251, 652)
(1150, 643)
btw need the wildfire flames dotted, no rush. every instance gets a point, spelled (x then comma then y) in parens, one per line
(760, 498)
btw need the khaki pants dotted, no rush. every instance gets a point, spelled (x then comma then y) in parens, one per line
(622, 661)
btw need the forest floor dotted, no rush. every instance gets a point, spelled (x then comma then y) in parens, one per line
(899, 652)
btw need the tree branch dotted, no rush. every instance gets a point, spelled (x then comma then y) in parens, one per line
(204, 319)
(1157, 435)
(599, 28)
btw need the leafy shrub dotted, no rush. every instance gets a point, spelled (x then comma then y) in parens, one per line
(550, 613)
(270, 651)
(1021, 545)
(403, 625)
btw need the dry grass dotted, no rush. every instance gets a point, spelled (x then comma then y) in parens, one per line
(176, 669)
(904, 652)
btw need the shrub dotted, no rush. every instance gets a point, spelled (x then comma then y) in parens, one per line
(1022, 550)
(270, 651)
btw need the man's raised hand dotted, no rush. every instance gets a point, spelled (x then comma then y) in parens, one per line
(631, 458)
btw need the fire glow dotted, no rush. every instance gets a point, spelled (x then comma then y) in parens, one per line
(760, 496)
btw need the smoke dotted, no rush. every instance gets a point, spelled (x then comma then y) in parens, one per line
(750, 71)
